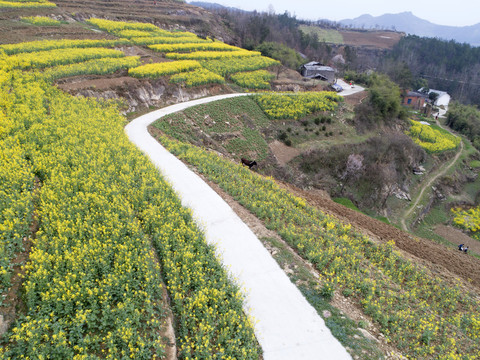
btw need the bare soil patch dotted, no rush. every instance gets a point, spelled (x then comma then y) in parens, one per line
(15, 31)
(356, 98)
(76, 83)
(282, 152)
(377, 39)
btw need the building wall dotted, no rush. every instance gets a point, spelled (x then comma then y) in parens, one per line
(329, 75)
(415, 102)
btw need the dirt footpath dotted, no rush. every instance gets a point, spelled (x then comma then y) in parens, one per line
(447, 263)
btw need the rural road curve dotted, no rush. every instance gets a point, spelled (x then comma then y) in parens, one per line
(287, 326)
(347, 89)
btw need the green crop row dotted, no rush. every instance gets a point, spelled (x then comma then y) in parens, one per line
(164, 68)
(114, 26)
(152, 40)
(295, 106)
(41, 20)
(92, 67)
(259, 79)
(226, 67)
(208, 55)
(197, 77)
(43, 45)
(188, 47)
(42, 59)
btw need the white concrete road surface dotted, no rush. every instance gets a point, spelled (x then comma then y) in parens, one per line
(348, 89)
(287, 326)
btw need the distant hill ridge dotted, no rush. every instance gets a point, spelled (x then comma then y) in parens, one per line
(214, 6)
(411, 24)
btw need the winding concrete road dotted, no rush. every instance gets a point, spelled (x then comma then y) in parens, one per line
(287, 326)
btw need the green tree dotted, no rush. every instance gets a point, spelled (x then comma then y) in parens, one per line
(384, 96)
(287, 56)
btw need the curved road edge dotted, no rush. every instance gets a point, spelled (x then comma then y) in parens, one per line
(287, 326)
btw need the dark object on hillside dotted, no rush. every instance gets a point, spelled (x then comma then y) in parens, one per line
(248, 163)
(463, 248)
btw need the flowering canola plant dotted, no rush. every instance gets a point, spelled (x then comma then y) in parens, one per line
(431, 139)
(228, 66)
(468, 219)
(258, 79)
(43, 45)
(48, 58)
(152, 40)
(26, 4)
(114, 26)
(197, 77)
(422, 315)
(134, 30)
(93, 285)
(208, 55)
(295, 106)
(187, 47)
(164, 68)
(217, 59)
(16, 200)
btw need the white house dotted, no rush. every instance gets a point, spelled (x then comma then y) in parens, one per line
(443, 97)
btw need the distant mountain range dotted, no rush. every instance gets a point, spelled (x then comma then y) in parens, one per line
(213, 6)
(410, 24)
(405, 22)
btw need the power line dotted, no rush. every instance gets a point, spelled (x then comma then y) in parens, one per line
(445, 79)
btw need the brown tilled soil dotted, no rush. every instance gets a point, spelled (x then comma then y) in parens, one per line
(377, 39)
(455, 236)
(282, 152)
(356, 98)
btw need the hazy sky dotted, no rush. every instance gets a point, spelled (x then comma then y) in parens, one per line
(441, 12)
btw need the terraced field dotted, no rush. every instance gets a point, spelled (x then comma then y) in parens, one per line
(98, 256)
(110, 238)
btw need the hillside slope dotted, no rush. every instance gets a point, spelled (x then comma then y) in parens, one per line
(352, 253)
(163, 13)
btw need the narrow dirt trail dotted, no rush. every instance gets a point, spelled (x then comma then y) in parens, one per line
(428, 184)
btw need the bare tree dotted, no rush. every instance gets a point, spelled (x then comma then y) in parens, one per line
(353, 169)
(389, 178)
